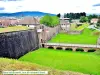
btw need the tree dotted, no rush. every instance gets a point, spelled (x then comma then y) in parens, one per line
(55, 21)
(67, 15)
(50, 20)
(84, 14)
(46, 20)
(74, 15)
(83, 19)
(92, 16)
(59, 15)
(77, 15)
(71, 16)
(86, 19)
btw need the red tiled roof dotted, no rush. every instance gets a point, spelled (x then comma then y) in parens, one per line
(95, 19)
(28, 20)
(64, 22)
(6, 21)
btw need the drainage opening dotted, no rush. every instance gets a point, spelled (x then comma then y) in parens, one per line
(59, 48)
(91, 50)
(50, 47)
(43, 45)
(80, 49)
(69, 49)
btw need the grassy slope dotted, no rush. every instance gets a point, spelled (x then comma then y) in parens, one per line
(14, 28)
(86, 37)
(82, 27)
(65, 60)
(11, 64)
(79, 28)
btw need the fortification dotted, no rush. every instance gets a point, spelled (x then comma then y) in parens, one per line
(17, 43)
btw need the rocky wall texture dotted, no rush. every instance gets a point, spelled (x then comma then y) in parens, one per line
(16, 44)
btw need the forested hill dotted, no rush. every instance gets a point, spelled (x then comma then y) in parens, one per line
(25, 13)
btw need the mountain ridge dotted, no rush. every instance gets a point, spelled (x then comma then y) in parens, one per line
(26, 13)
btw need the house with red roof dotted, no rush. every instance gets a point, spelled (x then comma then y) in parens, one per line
(94, 20)
(5, 22)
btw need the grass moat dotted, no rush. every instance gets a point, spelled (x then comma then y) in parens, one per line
(88, 63)
(88, 36)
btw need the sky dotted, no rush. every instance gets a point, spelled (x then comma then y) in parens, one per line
(50, 6)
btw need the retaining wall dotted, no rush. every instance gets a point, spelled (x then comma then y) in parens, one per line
(16, 44)
(74, 32)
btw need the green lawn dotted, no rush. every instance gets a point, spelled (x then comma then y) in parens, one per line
(14, 28)
(88, 63)
(87, 37)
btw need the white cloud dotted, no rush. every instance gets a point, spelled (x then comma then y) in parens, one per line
(51, 6)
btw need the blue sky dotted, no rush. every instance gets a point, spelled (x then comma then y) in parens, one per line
(50, 6)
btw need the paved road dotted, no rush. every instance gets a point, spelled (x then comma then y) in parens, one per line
(75, 45)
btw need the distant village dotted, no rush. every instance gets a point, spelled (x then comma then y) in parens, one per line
(29, 20)
(45, 32)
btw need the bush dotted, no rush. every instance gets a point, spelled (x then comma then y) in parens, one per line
(97, 52)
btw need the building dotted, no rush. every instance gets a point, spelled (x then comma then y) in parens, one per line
(94, 20)
(5, 22)
(13, 21)
(76, 21)
(33, 22)
(67, 19)
(28, 21)
(65, 25)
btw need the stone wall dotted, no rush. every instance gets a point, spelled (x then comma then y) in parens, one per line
(52, 31)
(75, 32)
(16, 44)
